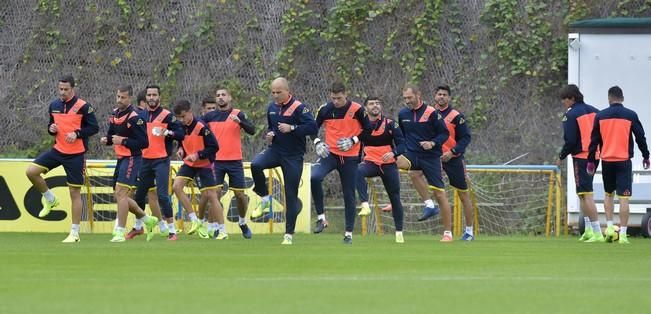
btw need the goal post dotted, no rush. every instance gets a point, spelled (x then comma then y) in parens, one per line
(507, 200)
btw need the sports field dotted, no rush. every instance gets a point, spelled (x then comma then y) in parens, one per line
(318, 274)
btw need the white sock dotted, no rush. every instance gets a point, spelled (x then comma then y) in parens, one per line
(365, 204)
(586, 220)
(193, 217)
(203, 220)
(398, 233)
(595, 226)
(74, 228)
(139, 224)
(609, 223)
(469, 230)
(162, 225)
(447, 232)
(321, 217)
(49, 196)
(119, 230)
(348, 234)
(221, 228)
(287, 235)
(171, 227)
(211, 227)
(242, 221)
(266, 198)
(429, 203)
(622, 230)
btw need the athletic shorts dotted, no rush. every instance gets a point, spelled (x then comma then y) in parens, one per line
(74, 165)
(153, 169)
(126, 171)
(582, 179)
(204, 178)
(618, 176)
(431, 167)
(455, 169)
(235, 171)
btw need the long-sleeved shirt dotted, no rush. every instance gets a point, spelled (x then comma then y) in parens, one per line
(578, 121)
(345, 122)
(294, 113)
(89, 125)
(423, 124)
(328, 111)
(221, 116)
(612, 133)
(383, 136)
(172, 124)
(134, 129)
(227, 132)
(459, 131)
(210, 145)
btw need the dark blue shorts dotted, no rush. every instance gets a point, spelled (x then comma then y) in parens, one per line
(126, 171)
(582, 179)
(204, 178)
(74, 165)
(154, 170)
(618, 176)
(235, 171)
(455, 169)
(431, 167)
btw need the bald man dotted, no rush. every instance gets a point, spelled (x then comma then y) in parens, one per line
(289, 122)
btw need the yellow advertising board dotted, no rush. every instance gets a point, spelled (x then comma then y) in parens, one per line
(20, 202)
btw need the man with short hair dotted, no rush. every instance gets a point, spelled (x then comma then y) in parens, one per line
(612, 135)
(141, 101)
(198, 150)
(208, 104)
(343, 121)
(128, 135)
(72, 122)
(425, 133)
(383, 142)
(226, 124)
(162, 131)
(452, 159)
(578, 121)
(289, 122)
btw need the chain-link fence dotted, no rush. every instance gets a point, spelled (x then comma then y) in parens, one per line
(188, 46)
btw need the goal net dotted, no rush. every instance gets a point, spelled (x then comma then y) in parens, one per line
(507, 200)
(99, 210)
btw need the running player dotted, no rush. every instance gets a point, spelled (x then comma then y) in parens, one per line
(72, 122)
(425, 132)
(198, 152)
(289, 122)
(226, 124)
(383, 142)
(343, 121)
(128, 135)
(162, 130)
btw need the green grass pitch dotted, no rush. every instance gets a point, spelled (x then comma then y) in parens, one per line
(318, 274)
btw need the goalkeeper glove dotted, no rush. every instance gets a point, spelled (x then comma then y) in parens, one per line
(346, 143)
(158, 131)
(645, 163)
(590, 167)
(321, 148)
